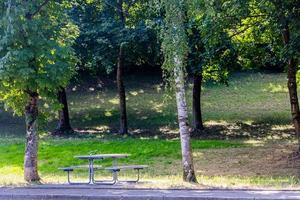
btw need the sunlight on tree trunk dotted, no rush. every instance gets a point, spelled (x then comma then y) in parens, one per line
(30, 160)
(187, 158)
(197, 115)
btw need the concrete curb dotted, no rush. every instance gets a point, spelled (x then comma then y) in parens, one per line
(142, 194)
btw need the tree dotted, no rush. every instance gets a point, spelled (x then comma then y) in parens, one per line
(281, 19)
(175, 48)
(120, 73)
(64, 126)
(36, 61)
(287, 18)
(115, 37)
(212, 55)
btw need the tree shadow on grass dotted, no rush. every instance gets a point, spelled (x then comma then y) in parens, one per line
(242, 130)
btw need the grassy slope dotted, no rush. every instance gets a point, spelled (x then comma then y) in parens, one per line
(254, 105)
(259, 99)
(250, 98)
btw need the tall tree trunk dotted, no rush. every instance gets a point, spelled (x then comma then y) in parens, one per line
(187, 158)
(64, 125)
(121, 90)
(30, 159)
(197, 115)
(120, 81)
(292, 84)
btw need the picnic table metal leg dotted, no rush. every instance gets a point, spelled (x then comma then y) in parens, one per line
(73, 183)
(91, 171)
(115, 173)
(133, 181)
(100, 182)
(138, 178)
(69, 181)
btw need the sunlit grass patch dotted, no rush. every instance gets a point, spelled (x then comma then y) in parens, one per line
(218, 163)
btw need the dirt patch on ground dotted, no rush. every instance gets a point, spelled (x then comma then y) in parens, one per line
(265, 160)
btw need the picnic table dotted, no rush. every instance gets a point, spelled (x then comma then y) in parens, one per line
(114, 169)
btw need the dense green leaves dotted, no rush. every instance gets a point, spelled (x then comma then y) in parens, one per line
(175, 40)
(102, 32)
(36, 53)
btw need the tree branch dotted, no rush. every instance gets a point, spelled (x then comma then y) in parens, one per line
(242, 31)
(29, 16)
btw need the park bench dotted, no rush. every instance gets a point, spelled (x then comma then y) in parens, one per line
(114, 169)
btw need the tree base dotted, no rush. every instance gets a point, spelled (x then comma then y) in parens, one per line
(123, 132)
(293, 159)
(196, 133)
(63, 132)
(190, 178)
(31, 175)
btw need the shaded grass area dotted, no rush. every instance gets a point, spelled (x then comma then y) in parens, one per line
(251, 99)
(256, 99)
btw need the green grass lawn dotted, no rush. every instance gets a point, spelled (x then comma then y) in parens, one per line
(247, 140)
(250, 99)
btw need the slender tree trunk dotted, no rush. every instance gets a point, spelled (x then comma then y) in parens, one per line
(197, 115)
(121, 90)
(30, 160)
(120, 81)
(292, 84)
(187, 158)
(64, 125)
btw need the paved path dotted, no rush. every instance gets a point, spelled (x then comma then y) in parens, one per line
(108, 193)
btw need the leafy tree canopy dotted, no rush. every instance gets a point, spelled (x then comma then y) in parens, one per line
(212, 52)
(102, 32)
(35, 51)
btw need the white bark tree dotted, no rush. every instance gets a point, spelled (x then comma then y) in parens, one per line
(175, 47)
(187, 157)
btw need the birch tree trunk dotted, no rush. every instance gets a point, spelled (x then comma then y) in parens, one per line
(187, 158)
(30, 159)
(197, 115)
(64, 125)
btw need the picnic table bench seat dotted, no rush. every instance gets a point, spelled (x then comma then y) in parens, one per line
(125, 167)
(116, 169)
(71, 168)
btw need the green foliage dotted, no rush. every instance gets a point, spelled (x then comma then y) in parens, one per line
(257, 42)
(211, 50)
(260, 42)
(175, 40)
(282, 14)
(102, 32)
(35, 50)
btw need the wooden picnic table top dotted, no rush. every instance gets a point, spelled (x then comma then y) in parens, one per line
(101, 156)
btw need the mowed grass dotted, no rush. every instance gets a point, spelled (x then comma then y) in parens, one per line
(224, 164)
(247, 141)
(160, 155)
(250, 98)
